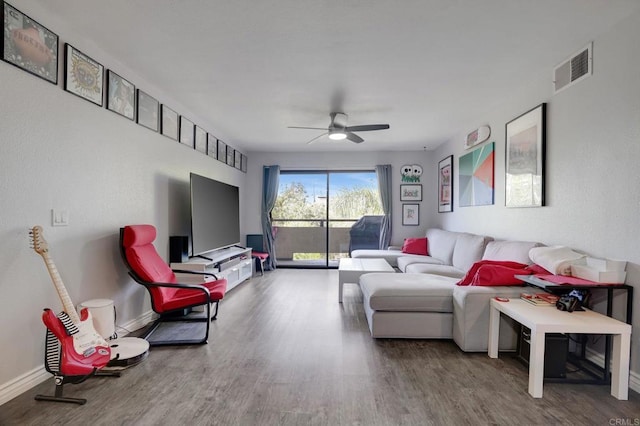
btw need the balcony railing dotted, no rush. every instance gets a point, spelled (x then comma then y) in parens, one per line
(301, 241)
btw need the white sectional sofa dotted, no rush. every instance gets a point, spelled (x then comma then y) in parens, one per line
(425, 302)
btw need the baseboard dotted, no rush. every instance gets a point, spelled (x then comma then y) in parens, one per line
(23, 383)
(598, 359)
(31, 379)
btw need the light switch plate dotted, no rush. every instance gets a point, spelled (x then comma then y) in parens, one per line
(59, 217)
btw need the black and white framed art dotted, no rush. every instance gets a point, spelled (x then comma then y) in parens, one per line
(121, 95)
(212, 146)
(169, 123)
(148, 111)
(186, 131)
(201, 140)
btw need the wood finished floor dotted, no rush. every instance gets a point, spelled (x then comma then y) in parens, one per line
(284, 352)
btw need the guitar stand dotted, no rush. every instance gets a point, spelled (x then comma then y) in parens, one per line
(52, 365)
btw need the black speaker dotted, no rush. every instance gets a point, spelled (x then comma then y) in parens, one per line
(178, 249)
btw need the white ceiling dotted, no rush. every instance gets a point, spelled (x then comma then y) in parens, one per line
(247, 69)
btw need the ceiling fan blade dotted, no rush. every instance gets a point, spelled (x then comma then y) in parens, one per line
(367, 127)
(312, 128)
(354, 138)
(316, 138)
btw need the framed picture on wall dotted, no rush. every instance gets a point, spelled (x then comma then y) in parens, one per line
(83, 76)
(222, 151)
(28, 45)
(212, 146)
(475, 177)
(237, 161)
(186, 131)
(230, 156)
(411, 192)
(169, 123)
(120, 95)
(525, 151)
(445, 185)
(201, 140)
(411, 214)
(243, 166)
(148, 111)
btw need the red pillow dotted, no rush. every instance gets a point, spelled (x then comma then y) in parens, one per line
(470, 277)
(415, 246)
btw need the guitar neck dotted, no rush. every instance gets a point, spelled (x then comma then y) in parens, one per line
(67, 304)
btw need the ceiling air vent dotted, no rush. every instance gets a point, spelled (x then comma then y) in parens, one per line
(577, 67)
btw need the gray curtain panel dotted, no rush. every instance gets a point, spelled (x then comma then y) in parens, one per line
(384, 187)
(270, 179)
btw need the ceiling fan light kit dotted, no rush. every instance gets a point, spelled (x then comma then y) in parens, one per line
(337, 135)
(338, 129)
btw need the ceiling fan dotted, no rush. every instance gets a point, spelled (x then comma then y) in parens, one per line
(338, 129)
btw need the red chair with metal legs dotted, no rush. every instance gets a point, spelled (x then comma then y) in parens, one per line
(254, 241)
(170, 299)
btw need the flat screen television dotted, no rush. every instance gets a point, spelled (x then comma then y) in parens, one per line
(215, 215)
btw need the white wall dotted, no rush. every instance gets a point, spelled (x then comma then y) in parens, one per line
(60, 151)
(341, 161)
(593, 152)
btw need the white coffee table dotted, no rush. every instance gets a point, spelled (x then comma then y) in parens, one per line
(542, 320)
(349, 270)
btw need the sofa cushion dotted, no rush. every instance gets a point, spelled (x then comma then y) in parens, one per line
(441, 244)
(468, 249)
(391, 256)
(517, 251)
(415, 246)
(407, 292)
(426, 268)
(409, 259)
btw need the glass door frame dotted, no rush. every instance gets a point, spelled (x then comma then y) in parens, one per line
(326, 218)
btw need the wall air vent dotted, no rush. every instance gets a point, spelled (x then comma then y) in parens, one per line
(578, 67)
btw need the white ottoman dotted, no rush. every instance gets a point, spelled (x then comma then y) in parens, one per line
(349, 270)
(416, 306)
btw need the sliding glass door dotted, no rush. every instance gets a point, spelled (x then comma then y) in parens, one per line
(314, 213)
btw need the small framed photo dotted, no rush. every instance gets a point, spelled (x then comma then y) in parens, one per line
(445, 185)
(169, 123)
(222, 151)
(237, 161)
(120, 95)
(29, 45)
(201, 140)
(525, 152)
(212, 146)
(230, 156)
(411, 192)
(243, 167)
(410, 214)
(148, 111)
(186, 131)
(83, 76)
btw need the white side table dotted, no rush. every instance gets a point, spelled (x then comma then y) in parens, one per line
(350, 269)
(542, 320)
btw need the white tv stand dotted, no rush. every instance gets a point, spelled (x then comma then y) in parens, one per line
(233, 263)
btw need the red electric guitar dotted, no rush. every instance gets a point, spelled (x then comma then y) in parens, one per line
(83, 349)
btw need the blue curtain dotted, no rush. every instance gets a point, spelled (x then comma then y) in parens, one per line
(384, 187)
(270, 178)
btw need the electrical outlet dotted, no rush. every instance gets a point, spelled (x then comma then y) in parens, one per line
(59, 217)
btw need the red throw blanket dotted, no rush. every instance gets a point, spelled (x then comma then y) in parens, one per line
(495, 273)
